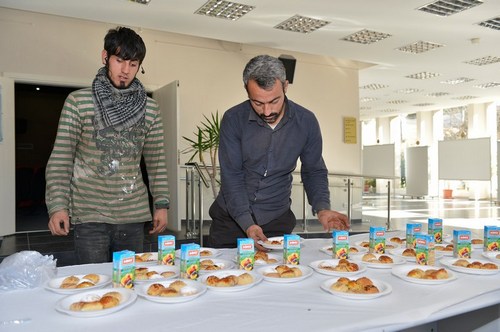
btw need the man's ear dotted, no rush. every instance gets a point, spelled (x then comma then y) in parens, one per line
(104, 57)
(285, 86)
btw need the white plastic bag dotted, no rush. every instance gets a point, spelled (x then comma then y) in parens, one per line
(25, 270)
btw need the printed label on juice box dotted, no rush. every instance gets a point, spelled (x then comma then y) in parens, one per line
(411, 230)
(491, 238)
(124, 269)
(462, 244)
(291, 249)
(340, 244)
(166, 250)
(424, 249)
(245, 253)
(435, 228)
(190, 261)
(377, 240)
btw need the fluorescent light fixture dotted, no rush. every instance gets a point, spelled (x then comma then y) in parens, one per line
(487, 85)
(437, 94)
(373, 86)
(397, 102)
(407, 91)
(457, 80)
(449, 7)
(142, 2)
(419, 47)
(493, 23)
(487, 60)
(423, 104)
(464, 97)
(367, 99)
(423, 75)
(366, 37)
(301, 24)
(224, 9)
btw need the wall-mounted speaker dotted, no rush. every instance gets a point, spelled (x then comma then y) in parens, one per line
(289, 63)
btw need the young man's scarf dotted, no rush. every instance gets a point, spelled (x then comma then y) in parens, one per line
(117, 109)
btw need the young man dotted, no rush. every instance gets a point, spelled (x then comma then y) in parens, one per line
(93, 175)
(261, 140)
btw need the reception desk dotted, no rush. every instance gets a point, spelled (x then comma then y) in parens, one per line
(268, 306)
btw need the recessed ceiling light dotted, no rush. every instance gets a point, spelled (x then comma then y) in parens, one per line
(487, 85)
(373, 86)
(407, 91)
(449, 7)
(423, 75)
(367, 99)
(301, 24)
(487, 60)
(437, 94)
(142, 2)
(457, 80)
(366, 37)
(493, 23)
(419, 47)
(224, 9)
(464, 97)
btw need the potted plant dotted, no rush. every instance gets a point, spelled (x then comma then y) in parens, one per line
(206, 141)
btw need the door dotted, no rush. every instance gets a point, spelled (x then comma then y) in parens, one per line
(168, 99)
(7, 158)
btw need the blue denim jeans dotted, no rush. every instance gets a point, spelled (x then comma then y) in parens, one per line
(96, 242)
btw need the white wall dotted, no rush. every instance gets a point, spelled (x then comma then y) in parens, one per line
(49, 49)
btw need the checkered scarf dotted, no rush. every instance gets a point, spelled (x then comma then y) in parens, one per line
(117, 108)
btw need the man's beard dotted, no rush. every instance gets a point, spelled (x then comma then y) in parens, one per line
(271, 118)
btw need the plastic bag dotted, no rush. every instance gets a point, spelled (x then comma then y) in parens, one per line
(25, 270)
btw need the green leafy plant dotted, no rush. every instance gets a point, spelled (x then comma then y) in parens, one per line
(206, 140)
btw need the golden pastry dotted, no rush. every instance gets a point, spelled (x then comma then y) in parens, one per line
(109, 301)
(409, 252)
(167, 274)
(169, 292)
(385, 259)
(416, 273)
(92, 277)
(490, 266)
(85, 284)
(245, 279)
(177, 285)
(155, 289)
(368, 257)
(461, 262)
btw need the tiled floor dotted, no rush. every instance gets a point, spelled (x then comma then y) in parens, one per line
(455, 214)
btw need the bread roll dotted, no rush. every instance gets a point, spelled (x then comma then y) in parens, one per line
(385, 259)
(109, 302)
(490, 266)
(368, 257)
(416, 273)
(245, 279)
(461, 262)
(177, 285)
(92, 306)
(409, 252)
(92, 277)
(155, 289)
(85, 284)
(169, 292)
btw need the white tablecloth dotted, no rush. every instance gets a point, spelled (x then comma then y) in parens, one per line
(268, 306)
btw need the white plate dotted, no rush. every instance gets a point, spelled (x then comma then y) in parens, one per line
(388, 245)
(269, 245)
(383, 287)
(402, 271)
(278, 258)
(329, 251)
(159, 269)
(443, 252)
(153, 259)
(221, 274)
(55, 284)
(191, 291)
(221, 263)
(448, 262)
(316, 265)
(128, 297)
(210, 253)
(492, 255)
(396, 261)
(306, 272)
(398, 252)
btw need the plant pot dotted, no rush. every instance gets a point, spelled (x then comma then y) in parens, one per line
(447, 193)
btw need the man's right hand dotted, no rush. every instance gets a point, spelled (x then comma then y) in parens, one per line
(255, 232)
(59, 223)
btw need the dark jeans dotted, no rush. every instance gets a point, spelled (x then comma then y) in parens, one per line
(224, 230)
(96, 242)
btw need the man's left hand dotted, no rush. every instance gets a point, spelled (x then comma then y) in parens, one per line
(333, 220)
(160, 221)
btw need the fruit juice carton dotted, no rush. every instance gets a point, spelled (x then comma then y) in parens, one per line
(491, 238)
(462, 246)
(291, 249)
(190, 261)
(377, 240)
(412, 229)
(340, 248)
(245, 253)
(435, 228)
(166, 250)
(424, 249)
(124, 269)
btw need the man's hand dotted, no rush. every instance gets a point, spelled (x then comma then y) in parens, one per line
(160, 221)
(255, 232)
(333, 220)
(59, 223)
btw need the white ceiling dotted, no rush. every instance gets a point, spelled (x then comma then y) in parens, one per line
(462, 37)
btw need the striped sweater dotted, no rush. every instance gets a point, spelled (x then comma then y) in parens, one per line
(100, 180)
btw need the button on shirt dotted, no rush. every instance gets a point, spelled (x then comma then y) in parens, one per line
(257, 163)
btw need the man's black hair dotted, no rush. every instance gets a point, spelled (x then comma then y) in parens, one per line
(125, 43)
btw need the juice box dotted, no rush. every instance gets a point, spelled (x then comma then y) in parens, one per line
(124, 269)
(166, 250)
(190, 261)
(411, 230)
(340, 248)
(377, 240)
(291, 249)
(435, 228)
(462, 244)
(424, 249)
(245, 253)
(491, 238)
